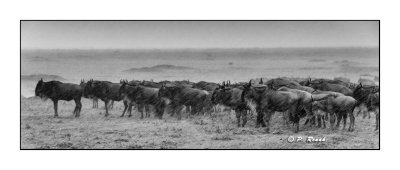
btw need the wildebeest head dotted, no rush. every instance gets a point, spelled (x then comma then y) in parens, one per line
(217, 94)
(88, 89)
(38, 89)
(306, 82)
(166, 91)
(123, 90)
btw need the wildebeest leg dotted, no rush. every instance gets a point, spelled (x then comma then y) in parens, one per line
(332, 119)
(377, 119)
(140, 109)
(266, 120)
(126, 107)
(352, 120)
(178, 110)
(78, 107)
(96, 102)
(147, 109)
(323, 121)
(238, 115)
(93, 104)
(319, 121)
(244, 117)
(55, 102)
(345, 120)
(260, 118)
(106, 101)
(339, 119)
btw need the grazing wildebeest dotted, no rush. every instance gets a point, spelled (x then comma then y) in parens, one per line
(268, 101)
(180, 96)
(325, 86)
(95, 100)
(306, 99)
(308, 82)
(105, 91)
(143, 96)
(231, 97)
(341, 106)
(56, 90)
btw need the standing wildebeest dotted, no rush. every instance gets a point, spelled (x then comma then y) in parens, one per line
(231, 97)
(56, 91)
(95, 100)
(369, 96)
(280, 82)
(268, 101)
(373, 104)
(306, 99)
(341, 106)
(105, 91)
(180, 96)
(330, 85)
(143, 96)
(208, 86)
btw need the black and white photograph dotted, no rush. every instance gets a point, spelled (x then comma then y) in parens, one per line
(200, 84)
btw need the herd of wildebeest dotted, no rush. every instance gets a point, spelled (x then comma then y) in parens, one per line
(316, 100)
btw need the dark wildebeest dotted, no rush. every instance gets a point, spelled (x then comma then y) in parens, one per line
(150, 84)
(373, 104)
(231, 97)
(330, 85)
(369, 96)
(180, 96)
(268, 101)
(95, 100)
(325, 86)
(56, 90)
(341, 106)
(280, 82)
(105, 91)
(306, 100)
(143, 96)
(208, 86)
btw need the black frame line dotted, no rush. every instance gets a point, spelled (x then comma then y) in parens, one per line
(20, 69)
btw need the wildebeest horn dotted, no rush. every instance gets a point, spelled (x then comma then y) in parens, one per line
(250, 83)
(261, 82)
(41, 79)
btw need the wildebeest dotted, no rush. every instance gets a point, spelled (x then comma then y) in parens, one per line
(369, 96)
(326, 86)
(56, 90)
(341, 106)
(373, 104)
(143, 96)
(105, 91)
(180, 96)
(95, 100)
(231, 97)
(268, 101)
(306, 99)
(280, 82)
(208, 86)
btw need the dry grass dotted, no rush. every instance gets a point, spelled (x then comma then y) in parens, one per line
(39, 130)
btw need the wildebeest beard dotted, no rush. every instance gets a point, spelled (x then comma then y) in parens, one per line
(252, 95)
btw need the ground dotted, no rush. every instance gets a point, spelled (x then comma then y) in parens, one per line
(40, 130)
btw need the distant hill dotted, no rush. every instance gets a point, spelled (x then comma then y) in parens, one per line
(46, 77)
(159, 68)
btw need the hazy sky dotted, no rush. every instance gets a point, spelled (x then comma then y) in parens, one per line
(196, 34)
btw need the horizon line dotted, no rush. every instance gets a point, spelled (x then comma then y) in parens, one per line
(205, 48)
